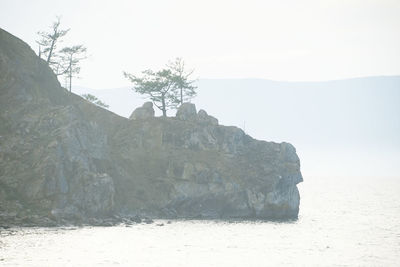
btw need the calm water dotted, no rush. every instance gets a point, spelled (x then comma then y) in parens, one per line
(343, 222)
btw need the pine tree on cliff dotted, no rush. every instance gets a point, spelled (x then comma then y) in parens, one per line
(71, 57)
(93, 99)
(167, 88)
(48, 46)
(184, 86)
(158, 86)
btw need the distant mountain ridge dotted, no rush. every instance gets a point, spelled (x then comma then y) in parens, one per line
(244, 102)
(354, 122)
(126, 93)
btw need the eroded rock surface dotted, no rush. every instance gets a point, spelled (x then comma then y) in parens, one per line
(203, 117)
(64, 159)
(144, 112)
(187, 112)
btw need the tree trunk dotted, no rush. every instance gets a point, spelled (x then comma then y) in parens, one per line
(70, 75)
(164, 108)
(50, 52)
(70, 82)
(181, 95)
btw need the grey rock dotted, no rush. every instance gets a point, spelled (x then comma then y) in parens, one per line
(148, 221)
(187, 112)
(144, 112)
(64, 161)
(203, 117)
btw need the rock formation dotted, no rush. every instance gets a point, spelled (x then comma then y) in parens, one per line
(64, 159)
(187, 112)
(203, 117)
(144, 112)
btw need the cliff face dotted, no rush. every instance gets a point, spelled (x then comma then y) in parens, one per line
(63, 157)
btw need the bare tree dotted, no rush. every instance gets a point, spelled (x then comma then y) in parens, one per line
(71, 57)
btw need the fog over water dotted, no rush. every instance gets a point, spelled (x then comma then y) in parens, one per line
(283, 71)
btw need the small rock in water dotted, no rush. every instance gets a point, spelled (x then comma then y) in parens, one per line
(136, 219)
(148, 221)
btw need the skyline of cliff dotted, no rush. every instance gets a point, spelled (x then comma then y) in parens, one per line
(345, 127)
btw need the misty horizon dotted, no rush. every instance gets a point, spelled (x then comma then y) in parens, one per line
(358, 135)
(288, 41)
(200, 133)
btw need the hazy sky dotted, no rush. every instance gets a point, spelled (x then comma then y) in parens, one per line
(339, 128)
(279, 40)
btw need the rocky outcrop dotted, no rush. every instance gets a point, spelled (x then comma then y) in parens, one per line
(211, 172)
(64, 159)
(144, 112)
(51, 152)
(203, 117)
(187, 112)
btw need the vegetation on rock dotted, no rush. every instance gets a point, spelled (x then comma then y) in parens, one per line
(63, 62)
(71, 57)
(166, 88)
(48, 45)
(184, 85)
(93, 99)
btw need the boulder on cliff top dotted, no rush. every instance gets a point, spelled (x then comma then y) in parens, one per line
(203, 117)
(144, 112)
(187, 112)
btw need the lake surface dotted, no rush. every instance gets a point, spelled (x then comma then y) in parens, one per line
(343, 222)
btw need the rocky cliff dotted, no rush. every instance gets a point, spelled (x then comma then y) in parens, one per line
(63, 158)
